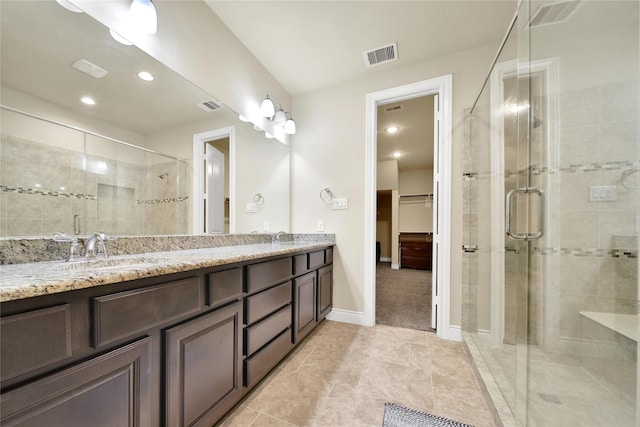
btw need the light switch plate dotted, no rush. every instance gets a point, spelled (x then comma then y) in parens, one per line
(265, 226)
(341, 203)
(320, 226)
(250, 207)
(603, 193)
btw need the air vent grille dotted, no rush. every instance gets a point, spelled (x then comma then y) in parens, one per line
(554, 13)
(210, 105)
(393, 108)
(381, 55)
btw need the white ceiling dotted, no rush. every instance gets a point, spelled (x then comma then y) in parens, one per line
(309, 45)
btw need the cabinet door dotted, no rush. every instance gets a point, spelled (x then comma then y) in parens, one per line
(203, 367)
(304, 319)
(109, 390)
(325, 291)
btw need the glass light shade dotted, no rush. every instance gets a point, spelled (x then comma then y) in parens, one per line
(280, 118)
(290, 127)
(267, 108)
(268, 135)
(144, 16)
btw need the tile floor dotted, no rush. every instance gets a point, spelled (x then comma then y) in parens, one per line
(343, 374)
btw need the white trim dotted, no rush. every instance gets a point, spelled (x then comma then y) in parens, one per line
(395, 266)
(198, 158)
(455, 333)
(442, 86)
(385, 259)
(348, 316)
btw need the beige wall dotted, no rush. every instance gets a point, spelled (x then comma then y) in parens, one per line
(334, 156)
(416, 213)
(387, 175)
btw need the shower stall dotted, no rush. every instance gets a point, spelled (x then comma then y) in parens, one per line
(552, 215)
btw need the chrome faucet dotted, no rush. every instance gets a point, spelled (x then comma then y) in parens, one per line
(95, 246)
(275, 239)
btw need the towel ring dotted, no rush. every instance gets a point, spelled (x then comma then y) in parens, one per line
(625, 175)
(258, 199)
(326, 195)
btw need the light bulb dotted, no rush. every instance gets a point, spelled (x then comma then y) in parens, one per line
(280, 118)
(290, 127)
(267, 108)
(144, 16)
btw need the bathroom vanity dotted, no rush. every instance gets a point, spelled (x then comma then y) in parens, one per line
(172, 338)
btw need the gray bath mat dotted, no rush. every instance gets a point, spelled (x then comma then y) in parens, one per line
(399, 416)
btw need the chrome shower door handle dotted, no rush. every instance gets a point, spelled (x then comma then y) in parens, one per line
(509, 213)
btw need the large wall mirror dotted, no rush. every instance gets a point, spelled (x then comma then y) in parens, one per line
(124, 165)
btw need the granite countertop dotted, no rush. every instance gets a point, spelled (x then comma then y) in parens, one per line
(18, 281)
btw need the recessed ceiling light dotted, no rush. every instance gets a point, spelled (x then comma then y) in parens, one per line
(88, 100)
(392, 129)
(396, 154)
(146, 76)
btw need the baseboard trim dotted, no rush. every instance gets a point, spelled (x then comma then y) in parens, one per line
(349, 316)
(395, 266)
(385, 259)
(455, 333)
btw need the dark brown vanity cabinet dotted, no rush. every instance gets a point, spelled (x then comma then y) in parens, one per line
(203, 367)
(267, 315)
(174, 350)
(312, 292)
(110, 390)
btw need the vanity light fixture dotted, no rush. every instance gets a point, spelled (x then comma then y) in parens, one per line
(392, 129)
(146, 76)
(267, 108)
(280, 117)
(88, 100)
(290, 126)
(143, 16)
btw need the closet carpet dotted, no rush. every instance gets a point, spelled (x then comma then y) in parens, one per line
(403, 297)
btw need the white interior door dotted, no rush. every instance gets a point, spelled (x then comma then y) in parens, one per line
(214, 190)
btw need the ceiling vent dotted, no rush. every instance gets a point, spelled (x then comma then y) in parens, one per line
(210, 105)
(392, 108)
(89, 68)
(554, 13)
(381, 55)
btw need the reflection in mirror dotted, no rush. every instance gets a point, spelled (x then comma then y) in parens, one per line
(53, 178)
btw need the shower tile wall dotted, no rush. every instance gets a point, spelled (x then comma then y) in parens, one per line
(43, 187)
(578, 266)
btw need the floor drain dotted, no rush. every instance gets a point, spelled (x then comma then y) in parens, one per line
(550, 398)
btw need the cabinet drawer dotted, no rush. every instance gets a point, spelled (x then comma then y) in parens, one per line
(260, 305)
(300, 264)
(258, 365)
(416, 252)
(265, 274)
(261, 333)
(124, 314)
(329, 255)
(113, 389)
(34, 339)
(224, 286)
(316, 259)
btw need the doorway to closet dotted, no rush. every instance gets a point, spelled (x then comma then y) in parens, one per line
(404, 212)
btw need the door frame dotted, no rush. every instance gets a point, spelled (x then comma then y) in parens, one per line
(199, 139)
(443, 86)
